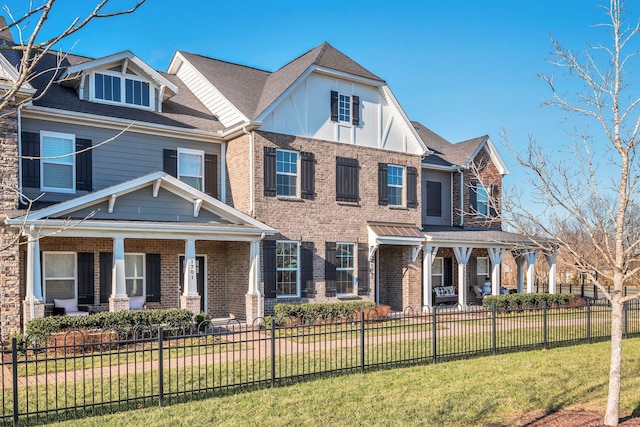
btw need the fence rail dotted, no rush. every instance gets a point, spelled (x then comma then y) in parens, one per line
(78, 374)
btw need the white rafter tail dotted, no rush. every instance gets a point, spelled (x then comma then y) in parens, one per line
(112, 202)
(372, 251)
(197, 204)
(415, 250)
(156, 187)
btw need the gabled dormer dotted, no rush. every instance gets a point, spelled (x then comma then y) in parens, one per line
(120, 79)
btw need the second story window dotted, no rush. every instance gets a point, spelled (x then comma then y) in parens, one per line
(191, 167)
(344, 108)
(114, 88)
(286, 173)
(482, 200)
(58, 162)
(395, 179)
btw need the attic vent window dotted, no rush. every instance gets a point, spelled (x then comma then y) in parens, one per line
(114, 88)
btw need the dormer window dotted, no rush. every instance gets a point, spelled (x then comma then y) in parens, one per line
(116, 88)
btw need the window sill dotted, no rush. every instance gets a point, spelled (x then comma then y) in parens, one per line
(287, 297)
(290, 199)
(345, 203)
(399, 208)
(348, 297)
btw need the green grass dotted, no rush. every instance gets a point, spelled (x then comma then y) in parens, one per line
(461, 393)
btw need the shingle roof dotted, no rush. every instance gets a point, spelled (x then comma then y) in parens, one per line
(446, 153)
(252, 90)
(183, 110)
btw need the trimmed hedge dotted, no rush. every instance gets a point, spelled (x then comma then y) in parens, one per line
(312, 312)
(119, 321)
(526, 301)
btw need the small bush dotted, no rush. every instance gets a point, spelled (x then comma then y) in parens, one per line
(119, 321)
(526, 301)
(310, 313)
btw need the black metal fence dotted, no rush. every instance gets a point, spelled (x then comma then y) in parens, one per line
(583, 290)
(78, 374)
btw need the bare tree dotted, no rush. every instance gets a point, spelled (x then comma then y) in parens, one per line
(32, 46)
(592, 191)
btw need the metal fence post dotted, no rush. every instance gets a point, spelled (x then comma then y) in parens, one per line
(589, 321)
(625, 312)
(14, 365)
(160, 366)
(434, 335)
(362, 341)
(494, 329)
(544, 324)
(582, 291)
(273, 352)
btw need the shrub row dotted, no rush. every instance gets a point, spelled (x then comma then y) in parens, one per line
(526, 301)
(119, 321)
(309, 313)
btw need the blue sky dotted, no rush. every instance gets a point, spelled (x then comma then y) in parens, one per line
(462, 68)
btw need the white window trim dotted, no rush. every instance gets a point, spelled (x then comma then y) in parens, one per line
(297, 175)
(123, 77)
(297, 270)
(403, 197)
(484, 188)
(441, 274)
(196, 152)
(75, 273)
(350, 121)
(354, 285)
(144, 273)
(43, 160)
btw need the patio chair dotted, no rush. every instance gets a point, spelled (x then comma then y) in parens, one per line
(68, 307)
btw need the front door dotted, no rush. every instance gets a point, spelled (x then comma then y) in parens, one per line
(200, 273)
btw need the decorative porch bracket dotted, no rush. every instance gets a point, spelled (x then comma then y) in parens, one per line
(531, 260)
(495, 255)
(551, 259)
(428, 256)
(463, 253)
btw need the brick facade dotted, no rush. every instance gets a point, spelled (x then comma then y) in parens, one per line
(323, 219)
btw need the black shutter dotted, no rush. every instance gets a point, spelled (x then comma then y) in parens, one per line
(330, 269)
(383, 190)
(269, 180)
(412, 187)
(106, 265)
(153, 277)
(31, 168)
(363, 269)
(85, 278)
(308, 178)
(334, 106)
(447, 271)
(473, 270)
(84, 159)
(347, 179)
(493, 201)
(473, 197)
(434, 198)
(306, 269)
(170, 162)
(211, 175)
(269, 268)
(355, 105)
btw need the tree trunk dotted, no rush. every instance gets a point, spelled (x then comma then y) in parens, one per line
(612, 416)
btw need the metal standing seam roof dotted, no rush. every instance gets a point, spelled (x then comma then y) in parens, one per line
(390, 229)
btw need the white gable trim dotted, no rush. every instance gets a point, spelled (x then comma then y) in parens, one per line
(167, 182)
(122, 56)
(12, 74)
(409, 130)
(488, 145)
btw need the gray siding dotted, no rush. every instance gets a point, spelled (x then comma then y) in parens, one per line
(128, 156)
(444, 178)
(140, 205)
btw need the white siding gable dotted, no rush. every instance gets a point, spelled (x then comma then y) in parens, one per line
(210, 97)
(306, 111)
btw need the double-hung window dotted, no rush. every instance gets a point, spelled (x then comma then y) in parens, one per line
(134, 274)
(344, 108)
(395, 179)
(59, 275)
(482, 269)
(286, 173)
(57, 162)
(437, 273)
(482, 200)
(345, 278)
(287, 269)
(191, 167)
(116, 88)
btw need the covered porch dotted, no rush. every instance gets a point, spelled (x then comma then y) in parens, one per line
(458, 260)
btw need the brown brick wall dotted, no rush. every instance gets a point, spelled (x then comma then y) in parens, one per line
(238, 180)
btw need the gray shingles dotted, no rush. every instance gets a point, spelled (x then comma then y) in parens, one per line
(446, 153)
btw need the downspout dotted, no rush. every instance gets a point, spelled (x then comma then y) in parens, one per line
(251, 173)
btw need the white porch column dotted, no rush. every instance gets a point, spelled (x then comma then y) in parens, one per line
(190, 282)
(495, 255)
(520, 272)
(119, 300)
(551, 259)
(463, 254)
(33, 306)
(428, 256)
(254, 305)
(531, 260)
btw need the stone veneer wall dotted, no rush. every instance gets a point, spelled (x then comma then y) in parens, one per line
(10, 302)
